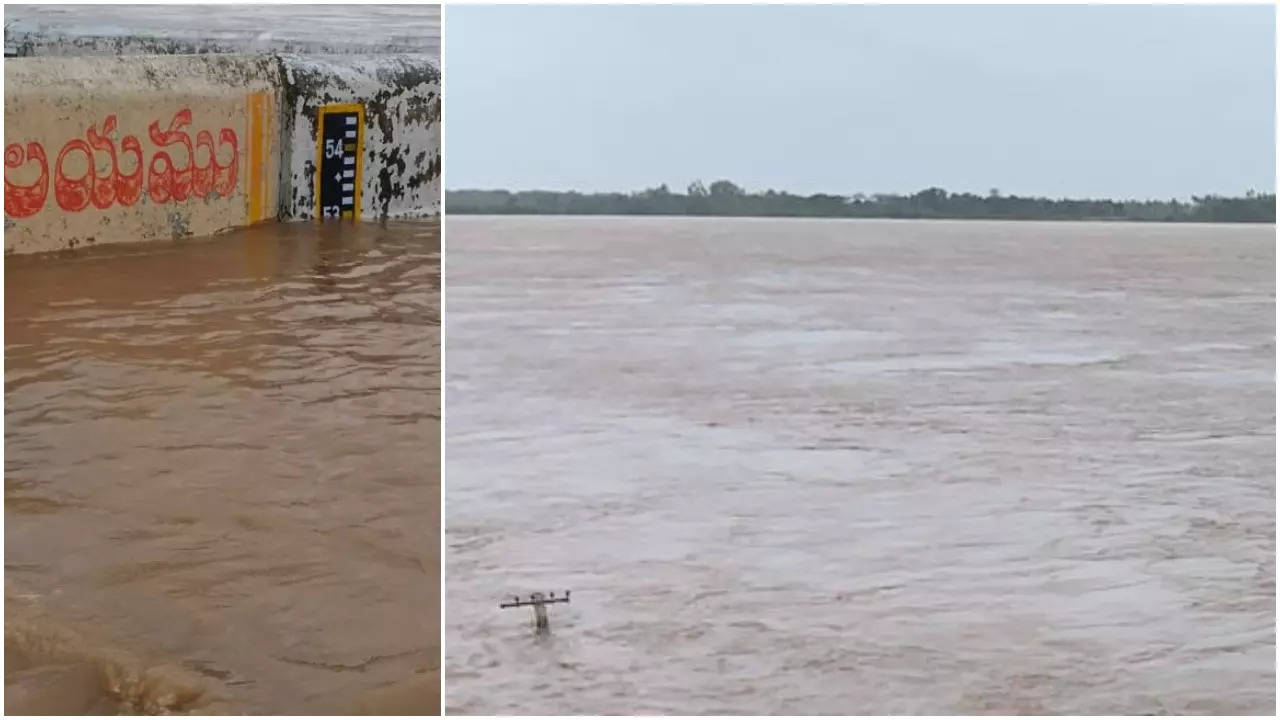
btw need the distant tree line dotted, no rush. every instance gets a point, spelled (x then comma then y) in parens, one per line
(723, 198)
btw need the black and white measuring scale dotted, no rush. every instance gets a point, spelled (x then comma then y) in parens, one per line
(339, 144)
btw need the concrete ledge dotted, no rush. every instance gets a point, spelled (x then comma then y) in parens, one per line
(123, 149)
(41, 43)
(80, 30)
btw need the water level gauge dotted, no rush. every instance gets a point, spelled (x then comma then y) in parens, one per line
(339, 144)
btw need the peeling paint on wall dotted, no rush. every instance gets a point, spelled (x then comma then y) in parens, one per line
(401, 159)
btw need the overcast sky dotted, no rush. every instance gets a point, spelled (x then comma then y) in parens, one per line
(1140, 101)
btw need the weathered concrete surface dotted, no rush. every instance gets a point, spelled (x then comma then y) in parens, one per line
(48, 30)
(40, 43)
(114, 149)
(134, 148)
(401, 159)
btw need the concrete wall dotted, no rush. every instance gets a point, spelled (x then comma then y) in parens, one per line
(122, 149)
(101, 150)
(401, 155)
(43, 44)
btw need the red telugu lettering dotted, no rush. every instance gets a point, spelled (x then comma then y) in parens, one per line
(25, 200)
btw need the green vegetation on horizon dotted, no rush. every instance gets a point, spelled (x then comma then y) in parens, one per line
(723, 198)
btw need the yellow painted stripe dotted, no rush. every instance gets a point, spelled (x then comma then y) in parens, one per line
(258, 147)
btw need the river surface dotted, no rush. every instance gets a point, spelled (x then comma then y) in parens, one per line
(222, 474)
(813, 466)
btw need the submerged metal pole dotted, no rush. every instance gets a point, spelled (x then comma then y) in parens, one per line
(539, 603)
(540, 612)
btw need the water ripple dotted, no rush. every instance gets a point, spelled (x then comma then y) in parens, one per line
(222, 457)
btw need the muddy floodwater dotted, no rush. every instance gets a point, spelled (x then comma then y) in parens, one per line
(812, 466)
(222, 474)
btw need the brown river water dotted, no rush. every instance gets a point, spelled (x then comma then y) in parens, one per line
(817, 466)
(222, 474)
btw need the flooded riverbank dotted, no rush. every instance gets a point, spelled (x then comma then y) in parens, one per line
(810, 467)
(222, 474)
